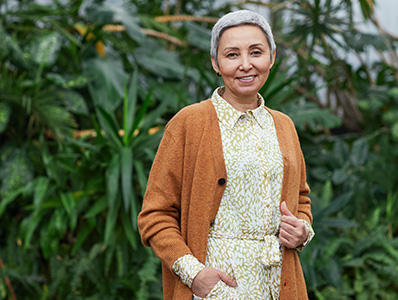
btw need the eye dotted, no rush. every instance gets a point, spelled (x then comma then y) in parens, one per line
(256, 52)
(232, 55)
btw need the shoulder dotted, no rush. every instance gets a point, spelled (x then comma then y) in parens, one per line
(193, 115)
(280, 118)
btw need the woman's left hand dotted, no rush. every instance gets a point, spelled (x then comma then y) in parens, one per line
(293, 232)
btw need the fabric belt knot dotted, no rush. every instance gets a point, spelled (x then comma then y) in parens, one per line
(270, 255)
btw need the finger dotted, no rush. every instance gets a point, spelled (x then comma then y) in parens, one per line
(291, 231)
(286, 234)
(287, 243)
(292, 220)
(284, 210)
(224, 277)
(289, 227)
(289, 239)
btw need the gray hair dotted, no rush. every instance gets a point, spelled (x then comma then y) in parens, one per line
(237, 18)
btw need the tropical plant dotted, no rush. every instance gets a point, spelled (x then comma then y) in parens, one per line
(85, 90)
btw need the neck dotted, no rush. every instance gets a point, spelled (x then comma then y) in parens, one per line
(242, 104)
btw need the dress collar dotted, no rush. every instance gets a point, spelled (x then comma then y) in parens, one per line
(229, 116)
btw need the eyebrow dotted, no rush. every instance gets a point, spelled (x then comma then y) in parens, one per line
(251, 46)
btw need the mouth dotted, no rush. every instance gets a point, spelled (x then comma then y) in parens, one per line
(246, 78)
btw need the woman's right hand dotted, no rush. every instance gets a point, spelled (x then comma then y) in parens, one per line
(206, 279)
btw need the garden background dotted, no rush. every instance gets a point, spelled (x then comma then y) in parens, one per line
(86, 88)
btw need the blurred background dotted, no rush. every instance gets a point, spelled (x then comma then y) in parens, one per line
(86, 88)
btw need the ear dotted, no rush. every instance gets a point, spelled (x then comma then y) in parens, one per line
(273, 59)
(214, 64)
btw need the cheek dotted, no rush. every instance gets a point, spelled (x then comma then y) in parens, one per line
(228, 65)
(264, 65)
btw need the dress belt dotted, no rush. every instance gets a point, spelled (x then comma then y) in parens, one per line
(270, 254)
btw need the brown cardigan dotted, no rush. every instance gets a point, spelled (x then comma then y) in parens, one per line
(185, 187)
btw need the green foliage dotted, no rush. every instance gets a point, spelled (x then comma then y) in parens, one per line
(83, 105)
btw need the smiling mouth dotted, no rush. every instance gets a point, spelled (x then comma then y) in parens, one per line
(247, 78)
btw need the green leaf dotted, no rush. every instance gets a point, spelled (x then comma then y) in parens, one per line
(129, 108)
(336, 205)
(126, 161)
(341, 151)
(45, 48)
(359, 152)
(99, 206)
(5, 201)
(12, 48)
(109, 124)
(321, 173)
(339, 176)
(128, 230)
(74, 102)
(141, 175)
(15, 172)
(82, 236)
(68, 82)
(198, 36)
(40, 190)
(51, 112)
(106, 13)
(140, 116)
(29, 226)
(5, 112)
(151, 119)
(109, 81)
(160, 62)
(112, 180)
(110, 223)
(308, 114)
(327, 192)
(337, 223)
(69, 205)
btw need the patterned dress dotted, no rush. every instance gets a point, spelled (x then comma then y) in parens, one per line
(243, 240)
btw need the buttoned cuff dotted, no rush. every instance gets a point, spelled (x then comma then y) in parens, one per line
(187, 267)
(311, 234)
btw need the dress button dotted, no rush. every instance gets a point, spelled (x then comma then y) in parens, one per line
(221, 181)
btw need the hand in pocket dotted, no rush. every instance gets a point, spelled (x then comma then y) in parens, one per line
(206, 279)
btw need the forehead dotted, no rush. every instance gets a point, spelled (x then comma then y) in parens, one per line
(243, 34)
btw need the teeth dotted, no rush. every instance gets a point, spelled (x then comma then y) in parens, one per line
(247, 78)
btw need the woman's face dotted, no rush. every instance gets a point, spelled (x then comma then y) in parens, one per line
(244, 61)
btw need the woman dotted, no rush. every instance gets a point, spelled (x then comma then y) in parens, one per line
(226, 206)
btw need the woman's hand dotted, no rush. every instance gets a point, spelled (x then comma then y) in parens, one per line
(293, 232)
(206, 279)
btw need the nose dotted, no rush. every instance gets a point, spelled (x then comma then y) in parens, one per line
(245, 63)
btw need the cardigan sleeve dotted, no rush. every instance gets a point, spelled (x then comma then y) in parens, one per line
(159, 219)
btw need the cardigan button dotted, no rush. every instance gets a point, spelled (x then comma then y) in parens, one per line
(211, 223)
(221, 181)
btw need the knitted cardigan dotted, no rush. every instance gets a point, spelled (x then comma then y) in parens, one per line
(185, 187)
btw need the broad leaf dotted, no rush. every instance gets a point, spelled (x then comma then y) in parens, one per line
(359, 152)
(45, 48)
(109, 80)
(160, 62)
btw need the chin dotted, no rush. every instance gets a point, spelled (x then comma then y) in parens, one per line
(248, 91)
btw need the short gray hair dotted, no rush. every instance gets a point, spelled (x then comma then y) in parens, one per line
(237, 18)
